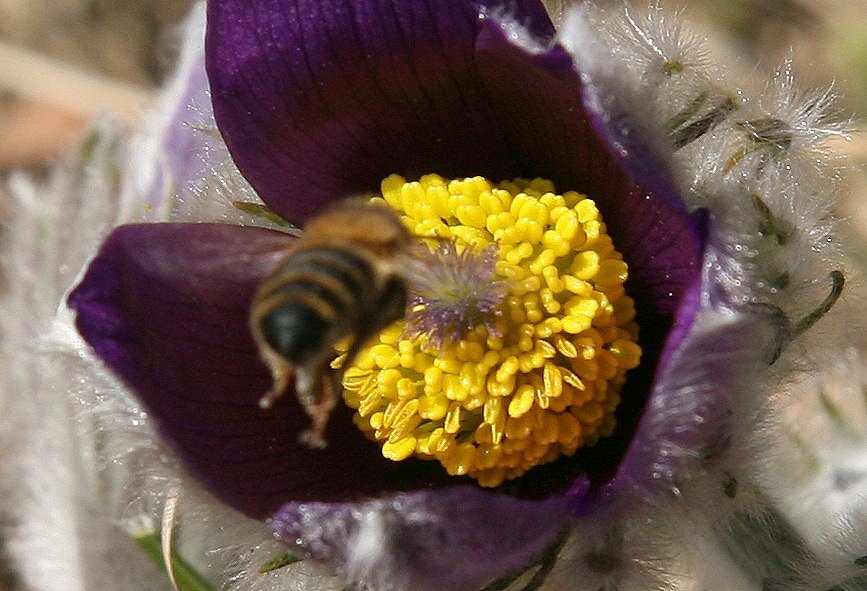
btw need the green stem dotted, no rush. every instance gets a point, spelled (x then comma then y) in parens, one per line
(838, 280)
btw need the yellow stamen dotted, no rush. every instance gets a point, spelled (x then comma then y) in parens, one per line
(541, 378)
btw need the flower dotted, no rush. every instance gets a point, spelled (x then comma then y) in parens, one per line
(318, 102)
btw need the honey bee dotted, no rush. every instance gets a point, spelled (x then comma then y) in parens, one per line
(341, 279)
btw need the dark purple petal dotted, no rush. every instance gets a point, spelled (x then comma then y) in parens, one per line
(458, 538)
(534, 93)
(629, 140)
(537, 95)
(688, 421)
(166, 307)
(545, 119)
(319, 99)
(528, 98)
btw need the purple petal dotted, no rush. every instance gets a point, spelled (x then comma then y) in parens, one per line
(714, 351)
(459, 538)
(629, 140)
(687, 423)
(545, 119)
(537, 95)
(542, 120)
(318, 99)
(166, 307)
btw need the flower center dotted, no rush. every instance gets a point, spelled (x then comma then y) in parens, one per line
(519, 334)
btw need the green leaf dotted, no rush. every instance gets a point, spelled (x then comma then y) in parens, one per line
(284, 559)
(261, 211)
(187, 577)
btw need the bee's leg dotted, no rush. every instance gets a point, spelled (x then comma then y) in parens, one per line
(281, 374)
(320, 411)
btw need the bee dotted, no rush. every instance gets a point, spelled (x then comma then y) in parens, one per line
(341, 279)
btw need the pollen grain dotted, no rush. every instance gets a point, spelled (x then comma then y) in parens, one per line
(540, 377)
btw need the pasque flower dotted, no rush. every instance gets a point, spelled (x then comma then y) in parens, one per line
(320, 101)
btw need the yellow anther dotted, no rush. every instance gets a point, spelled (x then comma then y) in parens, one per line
(454, 389)
(555, 285)
(369, 404)
(576, 324)
(433, 408)
(406, 389)
(468, 235)
(611, 272)
(497, 387)
(578, 286)
(566, 347)
(499, 221)
(519, 253)
(626, 352)
(585, 265)
(452, 422)
(573, 380)
(545, 259)
(508, 368)
(567, 225)
(553, 381)
(586, 211)
(493, 410)
(462, 460)
(545, 349)
(400, 449)
(537, 381)
(384, 356)
(592, 231)
(491, 203)
(448, 364)
(490, 359)
(387, 379)
(518, 201)
(510, 271)
(581, 306)
(587, 345)
(522, 401)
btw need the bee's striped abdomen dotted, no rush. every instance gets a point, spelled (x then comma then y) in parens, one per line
(312, 299)
(342, 280)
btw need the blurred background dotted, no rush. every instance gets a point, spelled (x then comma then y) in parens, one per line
(64, 61)
(123, 49)
(61, 61)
